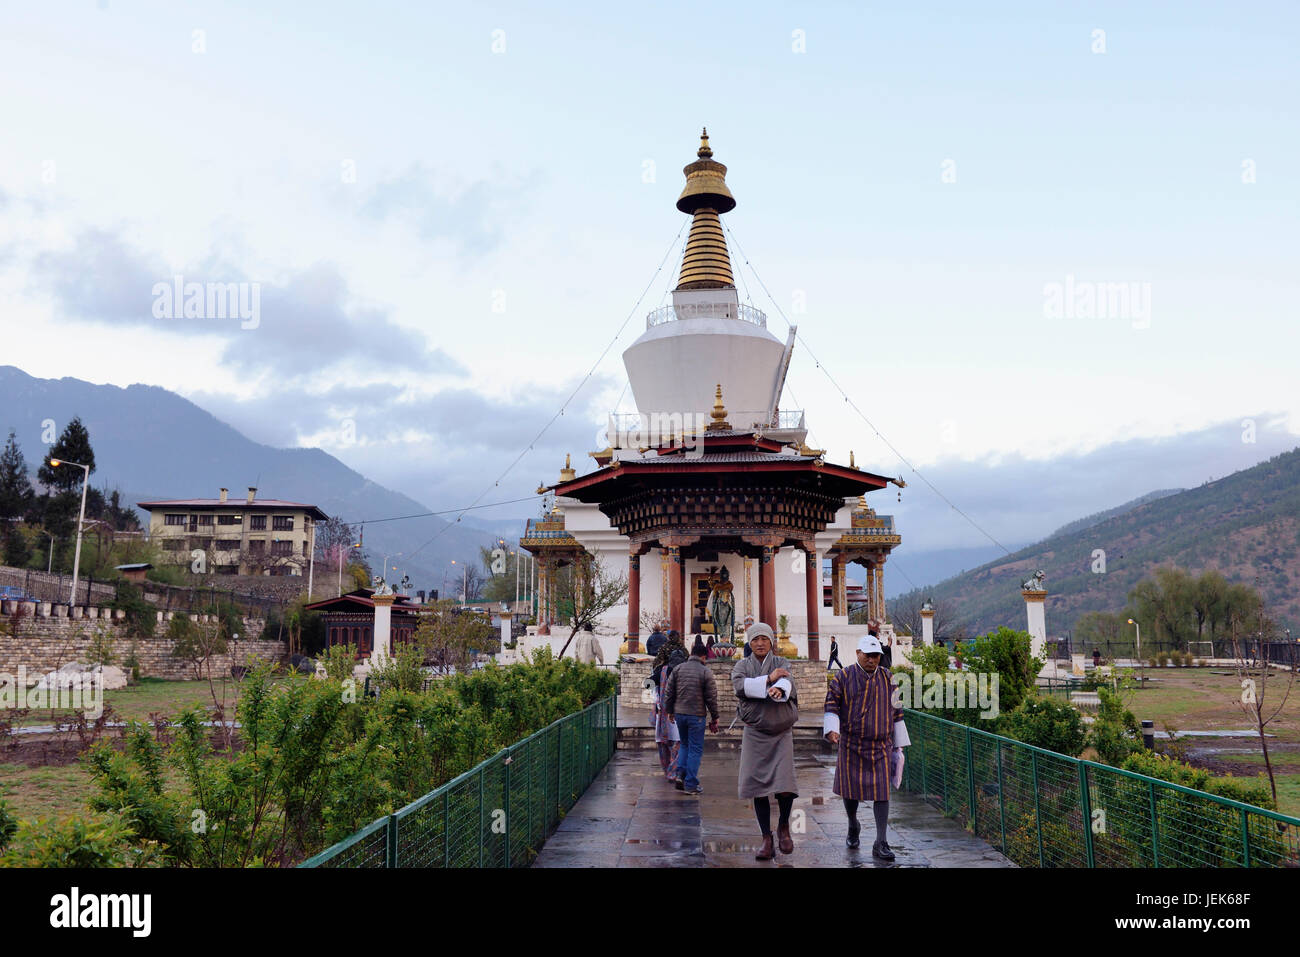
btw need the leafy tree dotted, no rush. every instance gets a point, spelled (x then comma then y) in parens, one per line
(1096, 628)
(500, 584)
(17, 549)
(449, 636)
(585, 594)
(15, 487)
(1115, 733)
(1006, 653)
(73, 446)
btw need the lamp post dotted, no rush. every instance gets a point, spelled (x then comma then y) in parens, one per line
(464, 581)
(49, 565)
(340, 548)
(81, 518)
(1141, 671)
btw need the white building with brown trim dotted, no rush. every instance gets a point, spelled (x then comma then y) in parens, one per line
(250, 537)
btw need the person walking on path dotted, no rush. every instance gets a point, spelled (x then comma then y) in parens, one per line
(768, 705)
(867, 727)
(835, 656)
(886, 653)
(671, 653)
(690, 692)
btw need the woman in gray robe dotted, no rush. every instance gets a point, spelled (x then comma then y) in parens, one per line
(766, 703)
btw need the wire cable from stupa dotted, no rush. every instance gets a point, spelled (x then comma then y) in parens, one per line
(915, 471)
(551, 421)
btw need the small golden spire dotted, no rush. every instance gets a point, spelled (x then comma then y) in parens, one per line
(718, 415)
(851, 463)
(704, 151)
(567, 474)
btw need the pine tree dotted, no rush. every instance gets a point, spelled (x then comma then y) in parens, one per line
(73, 446)
(15, 487)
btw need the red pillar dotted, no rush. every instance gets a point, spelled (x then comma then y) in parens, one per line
(767, 587)
(688, 603)
(674, 587)
(813, 598)
(634, 602)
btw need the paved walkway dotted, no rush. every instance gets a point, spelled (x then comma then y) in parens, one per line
(632, 817)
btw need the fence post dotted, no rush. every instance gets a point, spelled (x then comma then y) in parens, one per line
(943, 766)
(559, 768)
(970, 780)
(1038, 814)
(509, 758)
(481, 842)
(529, 797)
(1085, 799)
(446, 829)
(390, 858)
(923, 724)
(1155, 826)
(1245, 839)
(1002, 800)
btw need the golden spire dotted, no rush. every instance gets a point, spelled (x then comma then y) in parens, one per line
(567, 474)
(706, 264)
(718, 415)
(851, 463)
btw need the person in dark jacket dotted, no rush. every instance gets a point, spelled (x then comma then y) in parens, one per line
(835, 656)
(886, 653)
(655, 641)
(691, 691)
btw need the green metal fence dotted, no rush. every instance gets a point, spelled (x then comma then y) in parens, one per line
(496, 814)
(1043, 809)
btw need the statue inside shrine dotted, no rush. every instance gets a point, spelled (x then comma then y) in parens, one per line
(722, 607)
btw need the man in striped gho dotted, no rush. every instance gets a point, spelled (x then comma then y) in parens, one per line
(863, 722)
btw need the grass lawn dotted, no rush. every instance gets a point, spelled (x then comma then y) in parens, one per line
(1195, 699)
(49, 792)
(154, 695)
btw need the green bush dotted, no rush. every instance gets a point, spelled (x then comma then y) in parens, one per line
(8, 824)
(1047, 724)
(96, 840)
(1115, 732)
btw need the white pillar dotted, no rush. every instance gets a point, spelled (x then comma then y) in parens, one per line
(1036, 612)
(927, 626)
(382, 647)
(505, 629)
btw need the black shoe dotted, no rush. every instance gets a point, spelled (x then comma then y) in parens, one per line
(854, 830)
(698, 789)
(679, 784)
(881, 850)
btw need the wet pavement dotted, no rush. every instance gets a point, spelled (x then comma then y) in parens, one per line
(631, 816)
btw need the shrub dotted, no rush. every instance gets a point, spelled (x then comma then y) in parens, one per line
(97, 840)
(1115, 732)
(1047, 724)
(8, 824)
(338, 661)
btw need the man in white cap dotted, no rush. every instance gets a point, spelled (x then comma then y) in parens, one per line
(863, 721)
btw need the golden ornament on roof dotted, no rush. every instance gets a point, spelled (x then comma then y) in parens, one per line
(706, 263)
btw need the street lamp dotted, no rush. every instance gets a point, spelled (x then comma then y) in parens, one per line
(340, 548)
(76, 562)
(464, 581)
(1141, 671)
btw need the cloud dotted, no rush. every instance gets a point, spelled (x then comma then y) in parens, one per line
(305, 322)
(470, 218)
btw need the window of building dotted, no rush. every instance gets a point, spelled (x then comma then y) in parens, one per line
(227, 544)
(282, 523)
(282, 548)
(174, 519)
(257, 547)
(229, 519)
(257, 523)
(205, 519)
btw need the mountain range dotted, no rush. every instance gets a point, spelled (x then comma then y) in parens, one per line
(1246, 525)
(153, 444)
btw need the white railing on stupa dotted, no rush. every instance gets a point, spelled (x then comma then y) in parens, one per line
(706, 310)
(649, 429)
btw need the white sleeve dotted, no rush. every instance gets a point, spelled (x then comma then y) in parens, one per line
(830, 723)
(756, 687)
(901, 740)
(784, 685)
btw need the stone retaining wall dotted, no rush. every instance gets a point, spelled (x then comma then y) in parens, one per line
(41, 637)
(809, 684)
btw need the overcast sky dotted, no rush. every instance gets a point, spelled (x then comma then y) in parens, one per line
(450, 211)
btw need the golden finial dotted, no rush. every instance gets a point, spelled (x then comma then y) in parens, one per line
(567, 474)
(851, 463)
(862, 501)
(718, 415)
(541, 489)
(706, 263)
